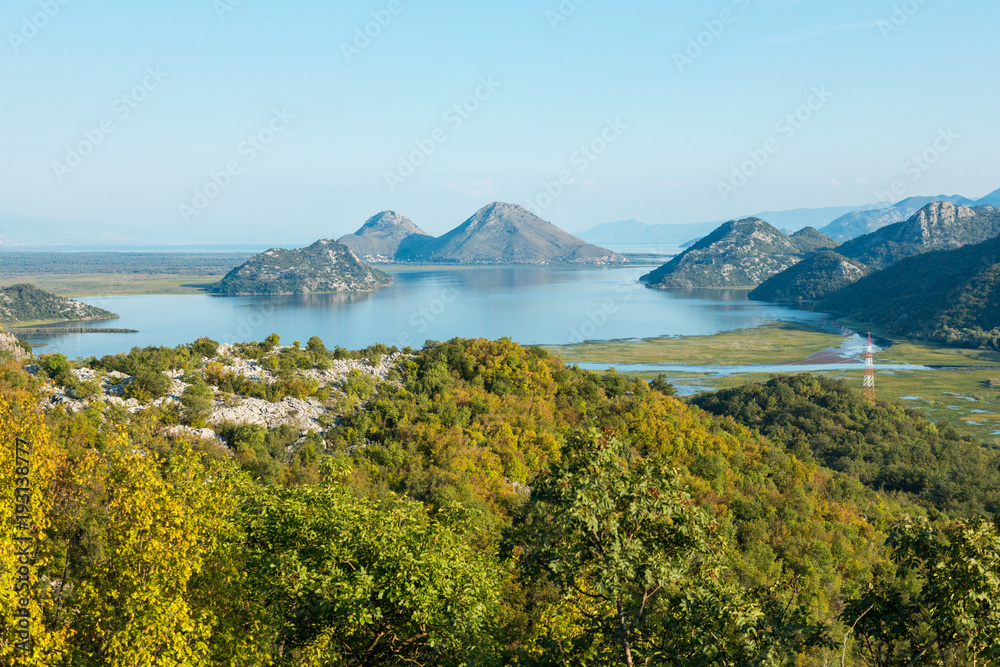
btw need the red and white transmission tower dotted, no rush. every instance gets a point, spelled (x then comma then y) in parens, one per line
(870, 371)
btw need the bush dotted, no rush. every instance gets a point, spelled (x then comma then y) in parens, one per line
(148, 385)
(57, 367)
(197, 405)
(205, 348)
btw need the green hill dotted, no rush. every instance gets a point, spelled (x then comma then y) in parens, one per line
(816, 277)
(950, 296)
(937, 226)
(737, 254)
(325, 266)
(884, 446)
(26, 303)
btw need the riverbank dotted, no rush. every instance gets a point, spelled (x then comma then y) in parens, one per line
(949, 384)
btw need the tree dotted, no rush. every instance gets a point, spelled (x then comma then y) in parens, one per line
(29, 467)
(133, 603)
(617, 534)
(348, 582)
(638, 563)
(197, 404)
(943, 604)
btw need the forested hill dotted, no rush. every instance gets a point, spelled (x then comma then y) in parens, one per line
(948, 296)
(937, 226)
(816, 277)
(738, 253)
(884, 446)
(26, 303)
(483, 503)
(325, 266)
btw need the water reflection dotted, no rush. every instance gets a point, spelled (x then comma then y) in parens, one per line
(532, 305)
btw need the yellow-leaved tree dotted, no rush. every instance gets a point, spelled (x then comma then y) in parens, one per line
(29, 465)
(164, 525)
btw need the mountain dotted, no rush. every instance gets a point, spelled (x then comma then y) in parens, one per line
(383, 236)
(992, 199)
(325, 266)
(508, 234)
(868, 220)
(950, 296)
(20, 304)
(737, 254)
(633, 232)
(816, 277)
(937, 226)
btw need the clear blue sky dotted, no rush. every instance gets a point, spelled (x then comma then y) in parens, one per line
(560, 82)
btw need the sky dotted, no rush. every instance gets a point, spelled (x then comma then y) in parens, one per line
(229, 121)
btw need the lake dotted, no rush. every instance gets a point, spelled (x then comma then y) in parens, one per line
(531, 305)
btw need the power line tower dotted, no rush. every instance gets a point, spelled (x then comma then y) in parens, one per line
(870, 371)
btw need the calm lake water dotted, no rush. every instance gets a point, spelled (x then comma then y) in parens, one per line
(530, 305)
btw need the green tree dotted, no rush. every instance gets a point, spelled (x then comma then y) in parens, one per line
(349, 583)
(640, 569)
(197, 404)
(618, 534)
(942, 606)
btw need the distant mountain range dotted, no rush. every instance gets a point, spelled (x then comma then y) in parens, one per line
(20, 304)
(858, 223)
(739, 253)
(497, 234)
(937, 226)
(841, 223)
(325, 266)
(633, 232)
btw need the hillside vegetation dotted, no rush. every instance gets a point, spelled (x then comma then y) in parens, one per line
(482, 503)
(737, 254)
(26, 303)
(325, 266)
(950, 296)
(816, 277)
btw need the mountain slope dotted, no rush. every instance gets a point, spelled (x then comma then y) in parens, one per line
(509, 234)
(325, 266)
(992, 199)
(816, 277)
(867, 221)
(937, 226)
(27, 303)
(951, 296)
(383, 235)
(633, 232)
(739, 253)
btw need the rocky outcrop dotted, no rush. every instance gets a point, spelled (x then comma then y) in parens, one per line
(10, 345)
(739, 253)
(937, 226)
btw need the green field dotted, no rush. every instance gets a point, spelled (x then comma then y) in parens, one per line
(959, 393)
(116, 284)
(770, 344)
